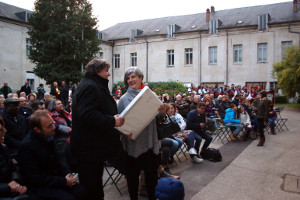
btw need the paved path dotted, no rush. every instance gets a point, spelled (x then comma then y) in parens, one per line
(246, 171)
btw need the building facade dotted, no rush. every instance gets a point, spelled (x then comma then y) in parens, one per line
(15, 67)
(236, 46)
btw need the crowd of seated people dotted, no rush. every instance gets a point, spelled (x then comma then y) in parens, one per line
(198, 114)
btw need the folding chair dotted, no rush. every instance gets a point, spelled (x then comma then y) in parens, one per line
(114, 176)
(183, 149)
(281, 121)
(222, 133)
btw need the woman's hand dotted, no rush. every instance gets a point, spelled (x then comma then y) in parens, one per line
(119, 121)
(128, 136)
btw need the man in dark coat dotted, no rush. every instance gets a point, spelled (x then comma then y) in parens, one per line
(15, 125)
(41, 91)
(43, 172)
(24, 110)
(64, 93)
(5, 90)
(26, 88)
(94, 116)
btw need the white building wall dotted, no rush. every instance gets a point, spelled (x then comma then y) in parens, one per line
(13, 60)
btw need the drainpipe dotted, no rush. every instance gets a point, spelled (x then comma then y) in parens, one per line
(294, 32)
(200, 58)
(112, 61)
(147, 52)
(226, 57)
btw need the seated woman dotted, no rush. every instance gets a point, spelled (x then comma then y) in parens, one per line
(175, 142)
(231, 121)
(62, 118)
(245, 119)
(10, 188)
(272, 117)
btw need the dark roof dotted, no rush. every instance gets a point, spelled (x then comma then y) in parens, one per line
(279, 13)
(13, 12)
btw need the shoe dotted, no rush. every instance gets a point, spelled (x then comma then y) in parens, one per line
(195, 159)
(273, 131)
(143, 191)
(232, 137)
(261, 142)
(165, 174)
(192, 151)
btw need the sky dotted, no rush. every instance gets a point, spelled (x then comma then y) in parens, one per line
(111, 12)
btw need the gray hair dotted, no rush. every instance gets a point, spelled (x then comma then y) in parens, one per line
(95, 66)
(134, 70)
(51, 105)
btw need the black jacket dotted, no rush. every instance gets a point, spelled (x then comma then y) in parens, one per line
(193, 121)
(39, 163)
(26, 89)
(93, 137)
(8, 172)
(16, 131)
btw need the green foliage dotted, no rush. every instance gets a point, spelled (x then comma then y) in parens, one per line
(287, 71)
(159, 87)
(56, 37)
(281, 99)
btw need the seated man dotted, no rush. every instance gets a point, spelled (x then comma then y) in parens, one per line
(231, 121)
(196, 121)
(43, 172)
(10, 188)
(15, 125)
(24, 110)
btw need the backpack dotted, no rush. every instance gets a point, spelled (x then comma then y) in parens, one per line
(211, 154)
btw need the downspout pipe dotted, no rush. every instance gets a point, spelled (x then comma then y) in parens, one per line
(200, 58)
(226, 58)
(147, 56)
(112, 61)
(294, 32)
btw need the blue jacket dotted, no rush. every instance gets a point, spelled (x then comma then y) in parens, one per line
(230, 117)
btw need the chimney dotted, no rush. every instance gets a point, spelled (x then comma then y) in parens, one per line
(212, 9)
(295, 3)
(207, 15)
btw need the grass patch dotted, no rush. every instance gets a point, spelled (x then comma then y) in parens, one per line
(293, 105)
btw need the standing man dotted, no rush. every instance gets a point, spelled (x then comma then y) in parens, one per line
(262, 116)
(54, 90)
(5, 90)
(41, 92)
(64, 93)
(94, 139)
(26, 88)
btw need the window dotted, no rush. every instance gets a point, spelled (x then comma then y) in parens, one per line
(189, 56)
(170, 54)
(262, 52)
(28, 47)
(172, 28)
(116, 63)
(262, 21)
(213, 55)
(100, 55)
(284, 46)
(99, 35)
(133, 59)
(273, 85)
(213, 25)
(238, 53)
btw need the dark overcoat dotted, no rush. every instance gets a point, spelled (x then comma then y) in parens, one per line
(93, 137)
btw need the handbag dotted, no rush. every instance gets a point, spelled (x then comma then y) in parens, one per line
(166, 129)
